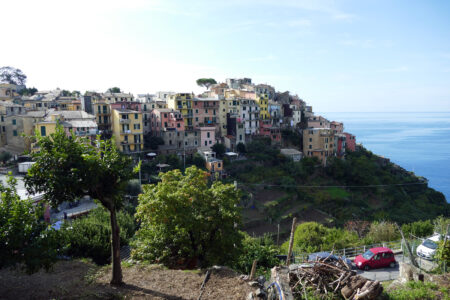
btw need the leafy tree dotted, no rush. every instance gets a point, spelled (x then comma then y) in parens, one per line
(67, 168)
(90, 236)
(206, 82)
(219, 149)
(186, 222)
(114, 90)
(241, 148)
(198, 161)
(12, 76)
(152, 142)
(24, 236)
(28, 91)
(5, 156)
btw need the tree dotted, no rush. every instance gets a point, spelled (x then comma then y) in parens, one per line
(114, 90)
(219, 149)
(241, 148)
(12, 76)
(24, 236)
(28, 91)
(5, 156)
(186, 222)
(198, 161)
(206, 82)
(67, 168)
(152, 142)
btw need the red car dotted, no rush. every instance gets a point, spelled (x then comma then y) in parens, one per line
(376, 258)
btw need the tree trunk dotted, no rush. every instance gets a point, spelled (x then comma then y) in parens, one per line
(115, 249)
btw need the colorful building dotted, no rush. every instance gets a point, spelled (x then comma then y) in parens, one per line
(318, 142)
(350, 141)
(183, 103)
(263, 102)
(127, 130)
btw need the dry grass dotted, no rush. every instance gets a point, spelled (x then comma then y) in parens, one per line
(84, 280)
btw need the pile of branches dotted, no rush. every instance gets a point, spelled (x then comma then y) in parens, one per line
(325, 278)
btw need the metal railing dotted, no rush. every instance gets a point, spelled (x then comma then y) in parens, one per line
(352, 252)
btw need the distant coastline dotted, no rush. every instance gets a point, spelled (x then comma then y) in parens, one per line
(416, 141)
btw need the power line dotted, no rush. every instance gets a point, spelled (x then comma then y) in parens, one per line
(335, 186)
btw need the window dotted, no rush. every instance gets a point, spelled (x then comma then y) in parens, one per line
(195, 143)
(310, 139)
(137, 126)
(196, 111)
(218, 165)
(206, 143)
(3, 128)
(135, 116)
(185, 143)
(43, 132)
(178, 125)
(185, 134)
(14, 121)
(178, 134)
(208, 134)
(145, 107)
(165, 124)
(210, 142)
(310, 146)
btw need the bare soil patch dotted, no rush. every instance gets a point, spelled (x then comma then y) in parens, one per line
(83, 280)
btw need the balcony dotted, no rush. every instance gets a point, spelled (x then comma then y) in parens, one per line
(125, 121)
(87, 132)
(125, 132)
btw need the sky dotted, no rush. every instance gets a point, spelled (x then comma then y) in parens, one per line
(349, 55)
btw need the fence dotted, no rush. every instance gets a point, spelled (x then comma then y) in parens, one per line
(395, 246)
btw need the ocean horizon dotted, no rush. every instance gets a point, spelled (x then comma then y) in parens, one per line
(416, 141)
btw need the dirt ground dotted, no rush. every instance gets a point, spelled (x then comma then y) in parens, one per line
(84, 280)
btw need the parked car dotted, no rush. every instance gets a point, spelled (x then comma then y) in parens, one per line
(328, 257)
(428, 247)
(376, 258)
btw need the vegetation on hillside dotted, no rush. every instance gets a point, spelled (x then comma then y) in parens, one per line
(362, 186)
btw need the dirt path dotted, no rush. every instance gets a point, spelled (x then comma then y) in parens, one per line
(82, 280)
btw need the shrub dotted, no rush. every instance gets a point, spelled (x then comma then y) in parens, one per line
(383, 231)
(90, 236)
(415, 290)
(419, 228)
(313, 237)
(261, 249)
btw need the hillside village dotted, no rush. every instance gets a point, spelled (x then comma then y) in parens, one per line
(232, 112)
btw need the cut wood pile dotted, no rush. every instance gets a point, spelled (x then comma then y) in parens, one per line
(324, 278)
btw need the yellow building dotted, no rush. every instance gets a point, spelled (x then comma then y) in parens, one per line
(318, 142)
(102, 111)
(228, 106)
(263, 102)
(128, 130)
(183, 103)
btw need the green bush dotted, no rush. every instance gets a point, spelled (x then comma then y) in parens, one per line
(90, 236)
(419, 228)
(313, 237)
(25, 239)
(383, 231)
(261, 249)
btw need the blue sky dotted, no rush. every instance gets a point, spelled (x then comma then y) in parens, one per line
(337, 55)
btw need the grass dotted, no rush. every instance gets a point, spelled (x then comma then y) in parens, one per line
(336, 192)
(418, 290)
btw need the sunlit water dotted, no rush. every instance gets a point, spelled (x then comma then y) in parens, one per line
(419, 142)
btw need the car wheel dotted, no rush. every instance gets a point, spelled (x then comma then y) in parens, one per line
(392, 265)
(366, 268)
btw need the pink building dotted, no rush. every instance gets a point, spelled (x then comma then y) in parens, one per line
(206, 111)
(127, 105)
(318, 122)
(337, 127)
(166, 119)
(267, 129)
(207, 136)
(350, 141)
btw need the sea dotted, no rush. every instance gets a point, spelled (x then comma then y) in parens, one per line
(417, 141)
